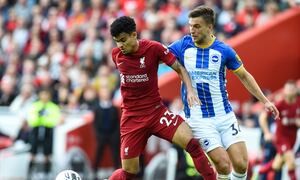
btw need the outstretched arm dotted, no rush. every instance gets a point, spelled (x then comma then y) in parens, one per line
(184, 76)
(252, 86)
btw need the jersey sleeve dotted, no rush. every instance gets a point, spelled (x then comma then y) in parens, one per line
(164, 54)
(113, 56)
(175, 48)
(233, 61)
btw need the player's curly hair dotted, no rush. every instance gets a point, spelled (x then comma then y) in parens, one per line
(205, 12)
(123, 24)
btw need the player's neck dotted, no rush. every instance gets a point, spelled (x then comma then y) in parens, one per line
(290, 99)
(136, 47)
(208, 41)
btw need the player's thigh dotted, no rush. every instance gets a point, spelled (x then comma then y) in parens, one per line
(182, 135)
(230, 131)
(238, 156)
(131, 165)
(133, 138)
(278, 162)
(206, 132)
(170, 127)
(289, 159)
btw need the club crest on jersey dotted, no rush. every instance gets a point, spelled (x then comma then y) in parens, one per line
(126, 151)
(215, 58)
(142, 62)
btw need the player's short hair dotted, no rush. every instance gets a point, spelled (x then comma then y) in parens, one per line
(123, 24)
(291, 82)
(205, 12)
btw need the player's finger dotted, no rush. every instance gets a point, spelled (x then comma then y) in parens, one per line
(197, 101)
(189, 102)
(275, 112)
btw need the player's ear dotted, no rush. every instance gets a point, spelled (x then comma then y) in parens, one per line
(211, 27)
(134, 34)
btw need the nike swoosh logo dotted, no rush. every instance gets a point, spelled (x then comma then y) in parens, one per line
(175, 122)
(118, 64)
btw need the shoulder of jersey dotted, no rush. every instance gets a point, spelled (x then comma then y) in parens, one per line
(115, 50)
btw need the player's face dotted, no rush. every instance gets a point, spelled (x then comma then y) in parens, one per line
(290, 90)
(199, 29)
(127, 42)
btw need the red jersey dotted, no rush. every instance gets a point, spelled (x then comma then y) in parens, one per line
(138, 75)
(286, 129)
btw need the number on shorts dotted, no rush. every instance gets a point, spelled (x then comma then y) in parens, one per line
(234, 129)
(164, 119)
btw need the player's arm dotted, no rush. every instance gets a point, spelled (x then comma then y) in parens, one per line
(184, 76)
(252, 86)
(263, 123)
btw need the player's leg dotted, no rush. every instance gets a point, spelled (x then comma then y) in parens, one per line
(239, 158)
(172, 127)
(133, 141)
(208, 132)
(277, 163)
(130, 167)
(221, 162)
(289, 159)
(184, 138)
(235, 146)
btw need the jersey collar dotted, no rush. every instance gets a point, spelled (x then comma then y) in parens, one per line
(207, 45)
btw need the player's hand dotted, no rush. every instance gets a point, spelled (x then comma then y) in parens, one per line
(268, 137)
(192, 98)
(270, 107)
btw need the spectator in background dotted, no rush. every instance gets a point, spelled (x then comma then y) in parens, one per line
(286, 128)
(89, 97)
(7, 90)
(105, 76)
(23, 100)
(93, 44)
(43, 116)
(271, 9)
(248, 14)
(107, 128)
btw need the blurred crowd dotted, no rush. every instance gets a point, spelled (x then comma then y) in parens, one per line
(65, 45)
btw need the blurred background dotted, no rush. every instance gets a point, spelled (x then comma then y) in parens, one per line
(64, 46)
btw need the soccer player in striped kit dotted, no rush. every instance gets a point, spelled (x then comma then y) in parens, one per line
(213, 122)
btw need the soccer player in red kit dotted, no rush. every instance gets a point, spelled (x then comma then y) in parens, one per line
(143, 113)
(286, 128)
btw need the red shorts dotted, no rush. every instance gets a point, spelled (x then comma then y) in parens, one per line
(135, 130)
(284, 144)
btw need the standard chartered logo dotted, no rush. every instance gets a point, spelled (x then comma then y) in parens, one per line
(122, 78)
(136, 78)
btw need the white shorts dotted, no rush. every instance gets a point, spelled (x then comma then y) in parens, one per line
(221, 131)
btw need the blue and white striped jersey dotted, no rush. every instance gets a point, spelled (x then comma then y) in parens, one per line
(207, 69)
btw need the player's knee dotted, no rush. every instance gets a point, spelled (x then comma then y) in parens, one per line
(241, 165)
(223, 165)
